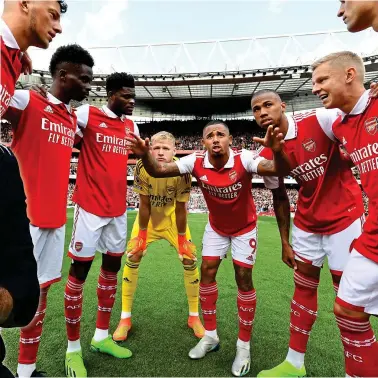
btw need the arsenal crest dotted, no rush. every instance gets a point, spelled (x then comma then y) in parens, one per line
(78, 246)
(371, 125)
(309, 145)
(232, 175)
(127, 130)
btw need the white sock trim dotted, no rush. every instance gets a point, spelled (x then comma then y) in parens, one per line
(25, 370)
(193, 314)
(73, 346)
(295, 358)
(125, 315)
(212, 334)
(243, 344)
(101, 334)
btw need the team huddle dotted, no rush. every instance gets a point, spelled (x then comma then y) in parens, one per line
(317, 148)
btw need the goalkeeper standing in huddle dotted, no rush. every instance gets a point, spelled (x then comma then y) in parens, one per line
(162, 215)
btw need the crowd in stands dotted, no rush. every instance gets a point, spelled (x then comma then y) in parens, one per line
(188, 134)
(5, 132)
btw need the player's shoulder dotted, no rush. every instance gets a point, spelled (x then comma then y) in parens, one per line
(139, 168)
(327, 115)
(304, 117)
(200, 154)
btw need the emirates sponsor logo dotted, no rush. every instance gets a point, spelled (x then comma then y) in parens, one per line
(311, 169)
(58, 133)
(78, 246)
(371, 125)
(365, 158)
(225, 192)
(309, 145)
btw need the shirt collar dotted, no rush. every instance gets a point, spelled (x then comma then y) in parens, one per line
(229, 164)
(361, 105)
(108, 112)
(56, 101)
(291, 128)
(7, 36)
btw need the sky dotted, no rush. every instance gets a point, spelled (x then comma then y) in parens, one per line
(124, 22)
(99, 23)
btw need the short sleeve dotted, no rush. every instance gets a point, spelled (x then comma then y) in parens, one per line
(326, 118)
(20, 99)
(186, 164)
(82, 114)
(140, 179)
(250, 161)
(136, 129)
(183, 188)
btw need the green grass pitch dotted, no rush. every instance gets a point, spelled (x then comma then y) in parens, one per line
(160, 339)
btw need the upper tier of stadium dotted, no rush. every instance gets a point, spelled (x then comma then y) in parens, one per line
(176, 78)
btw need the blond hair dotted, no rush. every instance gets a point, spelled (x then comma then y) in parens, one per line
(163, 136)
(344, 58)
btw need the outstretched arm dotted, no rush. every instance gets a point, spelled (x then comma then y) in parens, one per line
(280, 166)
(151, 165)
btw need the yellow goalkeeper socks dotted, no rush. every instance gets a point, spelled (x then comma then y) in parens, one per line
(191, 280)
(129, 284)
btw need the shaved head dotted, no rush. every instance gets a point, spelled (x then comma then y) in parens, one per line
(266, 92)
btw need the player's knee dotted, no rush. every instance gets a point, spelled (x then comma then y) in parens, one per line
(6, 304)
(243, 277)
(111, 263)
(209, 269)
(342, 311)
(189, 264)
(80, 269)
(308, 269)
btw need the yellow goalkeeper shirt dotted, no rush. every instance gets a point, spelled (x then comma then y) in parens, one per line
(163, 194)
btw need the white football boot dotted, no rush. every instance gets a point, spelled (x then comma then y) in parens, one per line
(205, 345)
(242, 362)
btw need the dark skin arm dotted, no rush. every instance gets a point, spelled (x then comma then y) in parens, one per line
(281, 206)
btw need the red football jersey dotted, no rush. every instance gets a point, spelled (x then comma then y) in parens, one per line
(227, 192)
(358, 132)
(101, 183)
(10, 66)
(42, 142)
(329, 198)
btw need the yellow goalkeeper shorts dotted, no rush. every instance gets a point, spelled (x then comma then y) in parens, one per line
(170, 234)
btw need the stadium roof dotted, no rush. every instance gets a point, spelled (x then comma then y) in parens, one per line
(212, 77)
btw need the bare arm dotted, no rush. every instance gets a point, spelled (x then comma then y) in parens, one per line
(156, 169)
(281, 206)
(280, 166)
(144, 211)
(181, 217)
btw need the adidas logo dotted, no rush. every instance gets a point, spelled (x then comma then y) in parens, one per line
(48, 109)
(194, 282)
(126, 279)
(204, 178)
(103, 125)
(344, 141)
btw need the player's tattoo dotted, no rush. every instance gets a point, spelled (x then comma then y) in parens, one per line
(156, 169)
(267, 165)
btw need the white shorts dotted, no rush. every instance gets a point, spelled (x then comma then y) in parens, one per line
(358, 289)
(314, 248)
(91, 233)
(243, 247)
(48, 252)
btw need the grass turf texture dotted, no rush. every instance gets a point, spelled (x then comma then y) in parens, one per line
(160, 340)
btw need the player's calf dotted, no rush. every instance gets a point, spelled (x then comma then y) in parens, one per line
(360, 345)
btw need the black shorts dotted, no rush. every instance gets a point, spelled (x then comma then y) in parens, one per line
(18, 268)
